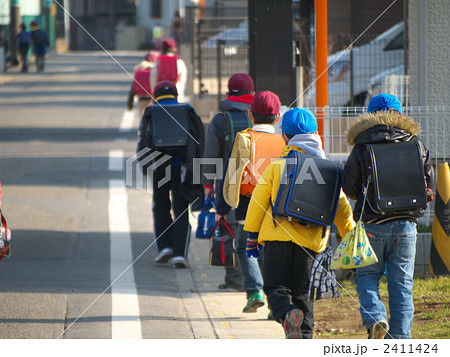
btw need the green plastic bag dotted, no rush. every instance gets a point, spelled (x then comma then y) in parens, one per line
(354, 251)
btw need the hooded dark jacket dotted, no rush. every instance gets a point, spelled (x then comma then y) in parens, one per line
(379, 127)
(40, 40)
(216, 147)
(185, 159)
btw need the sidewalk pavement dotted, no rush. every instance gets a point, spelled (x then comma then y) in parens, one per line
(5, 79)
(216, 313)
(212, 313)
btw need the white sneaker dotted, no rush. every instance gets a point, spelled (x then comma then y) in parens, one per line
(179, 263)
(164, 255)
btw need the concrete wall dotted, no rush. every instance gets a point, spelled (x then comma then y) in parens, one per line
(428, 67)
(145, 19)
(130, 38)
(423, 247)
(437, 54)
(347, 17)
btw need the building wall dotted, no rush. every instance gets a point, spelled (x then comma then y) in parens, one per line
(435, 62)
(354, 17)
(144, 17)
(437, 53)
(30, 7)
(101, 19)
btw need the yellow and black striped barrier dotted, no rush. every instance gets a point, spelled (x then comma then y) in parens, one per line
(440, 245)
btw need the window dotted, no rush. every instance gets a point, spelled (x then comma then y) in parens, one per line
(156, 9)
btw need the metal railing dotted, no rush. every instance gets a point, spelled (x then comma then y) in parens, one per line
(399, 86)
(434, 122)
(220, 49)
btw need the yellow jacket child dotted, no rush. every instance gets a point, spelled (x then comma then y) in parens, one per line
(289, 247)
(260, 219)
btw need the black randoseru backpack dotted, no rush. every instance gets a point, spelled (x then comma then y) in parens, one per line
(397, 184)
(309, 190)
(168, 127)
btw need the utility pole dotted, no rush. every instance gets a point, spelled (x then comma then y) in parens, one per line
(46, 11)
(320, 10)
(14, 22)
(67, 23)
(306, 50)
(111, 21)
(271, 48)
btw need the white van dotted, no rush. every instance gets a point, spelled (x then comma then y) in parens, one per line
(382, 53)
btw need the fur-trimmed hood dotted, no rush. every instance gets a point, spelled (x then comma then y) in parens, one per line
(390, 123)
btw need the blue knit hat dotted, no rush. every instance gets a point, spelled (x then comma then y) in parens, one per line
(298, 121)
(383, 102)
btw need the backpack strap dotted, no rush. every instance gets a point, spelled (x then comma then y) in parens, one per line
(230, 121)
(230, 130)
(365, 190)
(249, 123)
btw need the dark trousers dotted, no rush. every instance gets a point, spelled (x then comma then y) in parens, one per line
(23, 49)
(40, 62)
(170, 232)
(286, 273)
(233, 276)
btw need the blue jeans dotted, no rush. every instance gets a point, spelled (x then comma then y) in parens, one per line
(395, 246)
(251, 273)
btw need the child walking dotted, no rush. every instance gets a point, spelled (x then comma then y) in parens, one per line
(289, 247)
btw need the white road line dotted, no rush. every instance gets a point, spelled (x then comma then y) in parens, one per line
(128, 119)
(116, 160)
(125, 314)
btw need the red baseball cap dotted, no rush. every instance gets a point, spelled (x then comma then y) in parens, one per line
(240, 82)
(265, 103)
(168, 44)
(164, 87)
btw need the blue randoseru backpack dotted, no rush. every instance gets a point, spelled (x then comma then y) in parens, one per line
(309, 190)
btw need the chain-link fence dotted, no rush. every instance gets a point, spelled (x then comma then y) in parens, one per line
(219, 49)
(219, 46)
(359, 64)
(434, 122)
